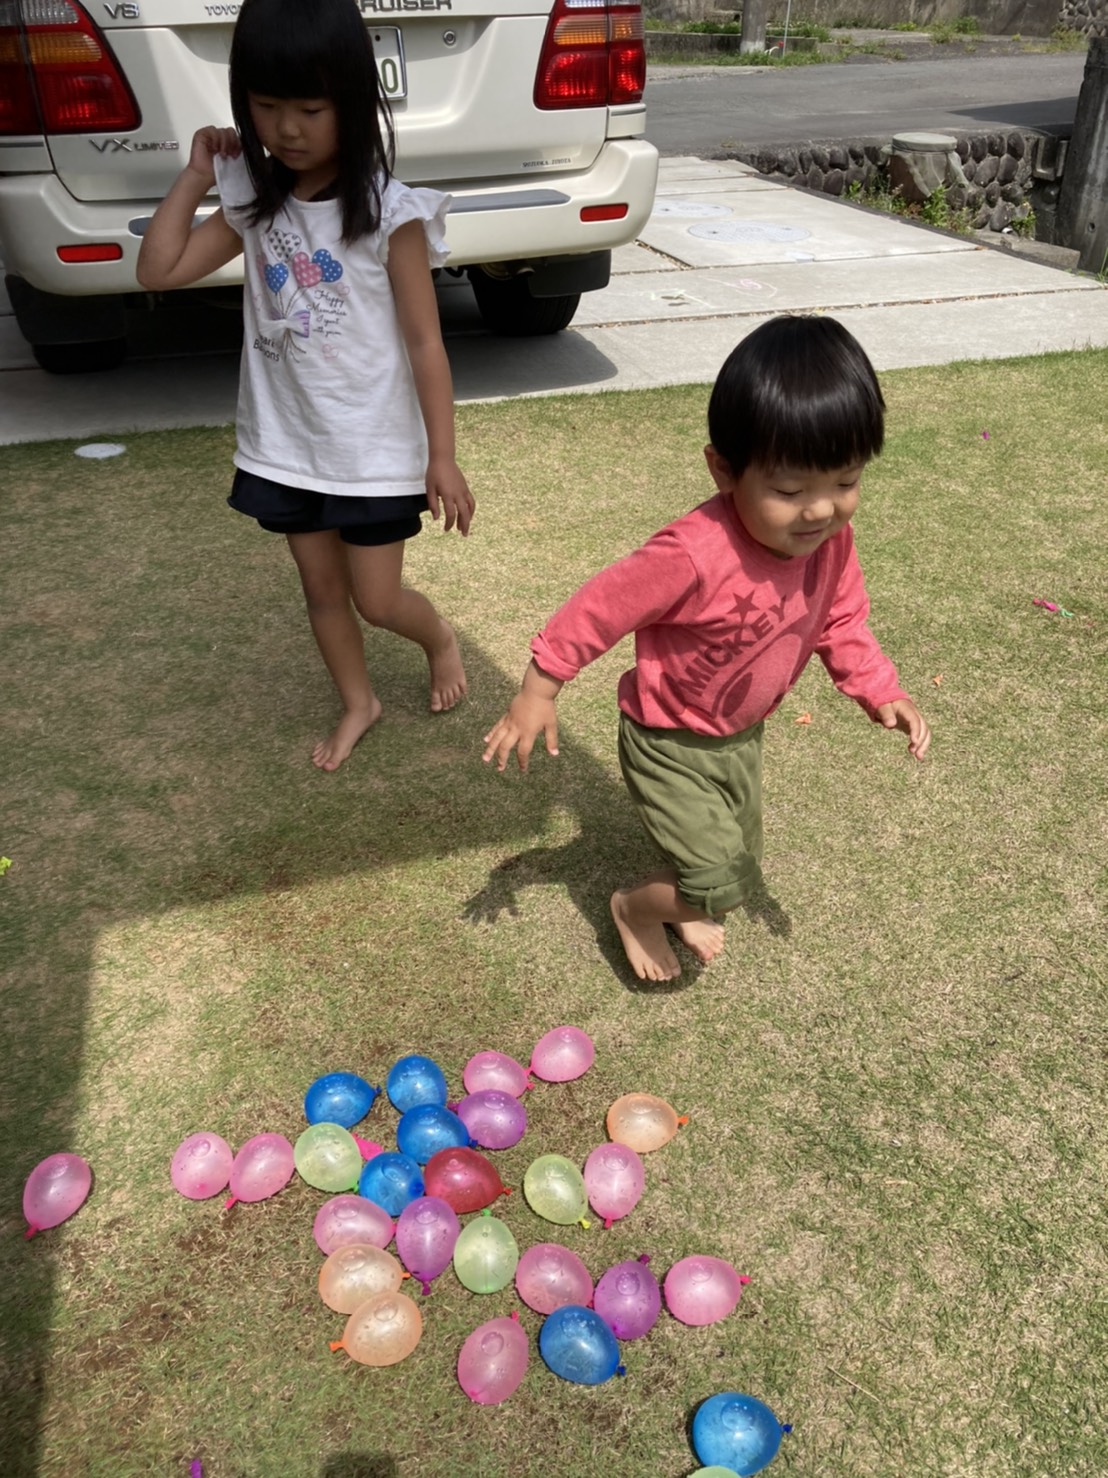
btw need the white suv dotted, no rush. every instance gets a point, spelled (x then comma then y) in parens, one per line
(529, 112)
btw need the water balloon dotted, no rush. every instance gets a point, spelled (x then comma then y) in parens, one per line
(485, 1255)
(642, 1122)
(328, 1157)
(382, 1331)
(464, 1179)
(550, 1276)
(702, 1290)
(737, 1432)
(493, 1361)
(357, 1272)
(413, 1080)
(496, 1120)
(392, 1180)
(344, 1220)
(495, 1071)
(262, 1167)
(614, 1180)
(54, 1190)
(563, 1054)
(339, 1098)
(201, 1166)
(577, 1345)
(425, 1237)
(555, 1189)
(427, 1128)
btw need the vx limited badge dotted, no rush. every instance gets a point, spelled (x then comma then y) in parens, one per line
(128, 146)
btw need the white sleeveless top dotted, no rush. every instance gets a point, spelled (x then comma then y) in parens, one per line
(326, 396)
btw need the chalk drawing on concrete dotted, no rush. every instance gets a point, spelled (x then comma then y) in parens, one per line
(749, 231)
(689, 208)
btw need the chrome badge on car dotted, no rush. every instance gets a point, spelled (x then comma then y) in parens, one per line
(132, 146)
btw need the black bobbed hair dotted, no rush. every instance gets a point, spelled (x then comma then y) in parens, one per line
(798, 392)
(314, 49)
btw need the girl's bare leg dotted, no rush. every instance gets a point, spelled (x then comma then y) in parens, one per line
(383, 601)
(641, 914)
(325, 576)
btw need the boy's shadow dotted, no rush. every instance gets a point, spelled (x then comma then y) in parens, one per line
(359, 1465)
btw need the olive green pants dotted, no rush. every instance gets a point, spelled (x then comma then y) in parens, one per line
(700, 800)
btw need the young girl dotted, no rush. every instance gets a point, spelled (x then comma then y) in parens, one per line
(727, 606)
(345, 417)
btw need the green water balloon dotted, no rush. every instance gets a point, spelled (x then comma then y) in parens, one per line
(485, 1255)
(555, 1189)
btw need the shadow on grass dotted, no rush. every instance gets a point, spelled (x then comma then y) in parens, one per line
(359, 1465)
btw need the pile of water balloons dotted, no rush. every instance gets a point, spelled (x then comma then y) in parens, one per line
(417, 1195)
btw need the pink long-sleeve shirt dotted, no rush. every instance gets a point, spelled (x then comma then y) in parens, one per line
(723, 628)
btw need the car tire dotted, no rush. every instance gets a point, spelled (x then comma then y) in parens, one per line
(80, 359)
(508, 309)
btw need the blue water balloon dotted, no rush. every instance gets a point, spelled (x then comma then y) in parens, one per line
(577, 1345)
(390, 1181)
(339, 1098)
(415, 1080)
(737, 1432)
(426, 1129)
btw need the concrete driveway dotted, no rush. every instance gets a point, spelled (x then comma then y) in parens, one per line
(724, 249)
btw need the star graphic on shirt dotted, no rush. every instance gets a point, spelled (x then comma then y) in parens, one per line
(744, 604)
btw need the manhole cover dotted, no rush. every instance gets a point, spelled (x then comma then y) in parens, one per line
(749, 231)
(689, 208)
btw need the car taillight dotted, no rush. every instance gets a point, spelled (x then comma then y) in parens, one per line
(592, 56)
(57, 72)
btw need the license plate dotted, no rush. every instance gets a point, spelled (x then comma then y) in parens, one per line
(389, 51)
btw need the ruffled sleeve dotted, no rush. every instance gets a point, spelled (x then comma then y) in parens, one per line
(236, 191)
(402, 204)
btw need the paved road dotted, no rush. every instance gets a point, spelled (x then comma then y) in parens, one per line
(701, 110)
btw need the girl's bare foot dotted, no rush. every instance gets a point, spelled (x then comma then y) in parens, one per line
(329, 753)
(645, 945)
(703, 936)
(448, 679)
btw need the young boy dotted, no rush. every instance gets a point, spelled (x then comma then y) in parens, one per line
(727, 605)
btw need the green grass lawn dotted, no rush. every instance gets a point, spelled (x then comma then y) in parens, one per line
(896, 1084)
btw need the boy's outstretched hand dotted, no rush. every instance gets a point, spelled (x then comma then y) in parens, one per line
(532, 713)
(904, 715)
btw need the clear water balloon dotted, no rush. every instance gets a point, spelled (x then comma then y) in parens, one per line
(392, 1180)
(56, 1188)
(555, 1189)
(339, 1098)
(494, 1119)
(486, 1255)
(262, 1167)
(577, 1345)
(382, 1331)
(493, 1361)
(614, 1180)
(425, 1238)
(345, 1220)
(353, 1274)
(550, 1276)
(465, 1179)
(702, 1290)
(413, 1080)
(642, 1122)
(738, 1433)
(201, 1166)
(628, 1299)
(563, 1054)
(497, 1072)
(327, 1157)
(427, 1128)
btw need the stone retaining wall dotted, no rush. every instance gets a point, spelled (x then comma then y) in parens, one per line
(995, 17)
(1002, 176)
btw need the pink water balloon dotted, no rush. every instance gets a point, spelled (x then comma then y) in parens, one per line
(426, 1233)
(563, 1054)
(702, 1290)
(628, 1299)
(496, 1071)
(495, 1120)
(493, 1361)
(614, 1180)
(55, 1189)
(550, 1276)
(262, 1167)
(346, 1220)
(201, 1166)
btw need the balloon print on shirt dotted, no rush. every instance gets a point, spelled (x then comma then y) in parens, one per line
(276, 275)
(322, 267)
(284, 243)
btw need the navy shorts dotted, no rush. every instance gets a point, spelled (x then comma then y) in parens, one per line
(286, 510)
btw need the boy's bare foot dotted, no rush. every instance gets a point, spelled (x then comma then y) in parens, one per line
(645, 945)
(703, 936)
(329, 753)
(448, 679)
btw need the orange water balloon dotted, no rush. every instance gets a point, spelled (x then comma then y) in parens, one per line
(382, 1331)
(642, 1122)
(356, 1272)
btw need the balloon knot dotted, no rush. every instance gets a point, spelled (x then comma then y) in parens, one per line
(743, 1279)
(684, 1119)
(584, 1222)
(30, 1232)
(621, 1369)
(471, 1144)
(644, 1258)
(505, 1190)
(336, 1344)
(404, 1275)
(230, 1201)
(608, 1223)
(453, 1107)
(425, 1286)
(196, 1469)
(786, 1427)
(515, 1315)
(486, 1212)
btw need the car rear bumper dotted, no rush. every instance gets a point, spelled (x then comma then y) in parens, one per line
(488, 222)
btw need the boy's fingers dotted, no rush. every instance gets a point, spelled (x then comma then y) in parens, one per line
(551, 732)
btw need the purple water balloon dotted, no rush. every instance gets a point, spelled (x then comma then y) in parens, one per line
(549, 1276)
(495, 1120)
(614, 1179)
(55, 1188)
(350, 1220)
(202, 1166)
(629, 1299)
(702, 1290)
(493, 1361)
(425, 1236)
(496, 1071)
(262, 1167)
(563, 1054)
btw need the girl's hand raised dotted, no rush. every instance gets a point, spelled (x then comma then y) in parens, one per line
(206, 144)
(448, 493)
